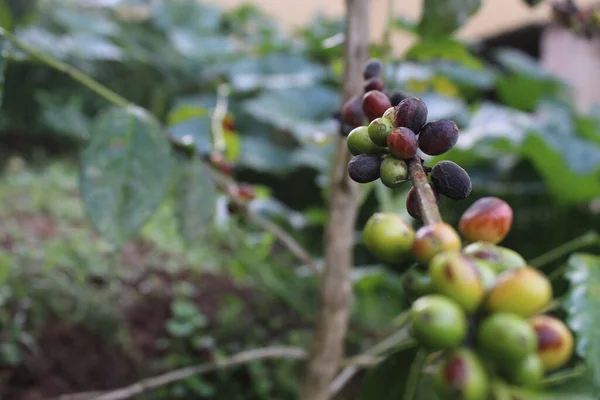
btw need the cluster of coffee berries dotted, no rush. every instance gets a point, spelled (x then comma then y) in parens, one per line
(393, 135)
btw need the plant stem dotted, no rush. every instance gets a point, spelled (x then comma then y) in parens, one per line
(414, 375)
(77, 75)
(336, 285)
(427, 202)
(587, 239)
(219, 114)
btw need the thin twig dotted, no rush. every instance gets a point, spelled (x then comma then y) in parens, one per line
(427, 202)
(414, 375)
(219, 114)
(244, 357)
(587, 239)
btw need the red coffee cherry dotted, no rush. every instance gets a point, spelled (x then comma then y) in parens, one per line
(402, 143)
(352, 112)
(489, 219)
(412, 203)
(430, 240)
(555, 341)
(375, 83)
(375, 104)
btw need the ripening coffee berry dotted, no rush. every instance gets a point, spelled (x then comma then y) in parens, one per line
(416, 283)
(375, 83)
(402, 142)
(375, 104)
(412, 202)
(462, 376)
(524, 291)
(555, 341)
(527, 372)
(489, 219)
(246, 192)
(364, 168)
(396, 98)
(487, 273)
(506, 337)
(499, 258)
(430, 240)
(379, 129)
(388, 237)
(438, 137)
(352, 112)
(411, 113)
(372, 68)
(451, 180)
(394, 172)
(390, 114)
(456, 275)
(359, 142)
(438, 322)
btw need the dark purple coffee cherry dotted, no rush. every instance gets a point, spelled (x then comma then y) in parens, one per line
(402, 143)
(396, 98)
(438, 137)
(364, 168)
(411, 113)
(412, 202)
(375, 83)
(451, 180)
(375, 104)
(352, 112)
(372, 68)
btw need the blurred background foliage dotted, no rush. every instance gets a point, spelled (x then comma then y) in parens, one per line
(169, 297)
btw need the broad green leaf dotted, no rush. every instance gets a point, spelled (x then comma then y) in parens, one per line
(445, 49)
(125, 172)
(6, 19)
(524, 92)
(189, 122)
(66, 118)
(187, 14)
(583, 308)
(195, 199)
(521, 63)
(443, 17)
(580, 386)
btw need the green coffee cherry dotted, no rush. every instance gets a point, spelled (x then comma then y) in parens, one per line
(462, 376)
(487, 273)
(394, 172)
(416, 284)
(506, 337)
(438, 322)
(388, 237)
(499, 258)
(359, 142)
(379, 129)
(527, 372)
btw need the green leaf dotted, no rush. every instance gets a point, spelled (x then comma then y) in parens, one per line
(195, 199)
(583, 307)
(443, 17)
(523, 92)
(6, 19)
(445, 49)
(125, 172)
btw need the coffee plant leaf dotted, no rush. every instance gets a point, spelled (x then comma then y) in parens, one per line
(443, 17)
(125, 172)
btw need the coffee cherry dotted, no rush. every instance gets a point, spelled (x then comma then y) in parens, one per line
(499, 258)
(352, 112)
(555, 341)
(451, 180)
(438, 322)
(364, 168)
(438, 137)
(372, 68)
(506, 337)
(374, 83)
(430, 240)
(375, 104)
(394, 172)
(416, 284)
(358, 142)
(487, 273)
(390, 114)
(379, 129)
(411, 113)
(412, 202)
(246, 192)
(489, 219)
(462, 376)
(455, 275)
(396, 98)
(524, 291)
(388, 237)
(527, 372)
(402, 142)
(220, 162)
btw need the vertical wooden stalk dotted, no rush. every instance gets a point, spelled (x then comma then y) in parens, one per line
(427, 202)
(336, 285)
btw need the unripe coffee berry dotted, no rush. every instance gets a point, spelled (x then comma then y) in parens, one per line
(487, 273)
(462, 376)
(416, 284)
(411, 113)
(372, 68)
(375, 104)
(438, 322)
(524, 291)
(456, 275)
(402, 143)
(388, 237)
(555, 341)
(506, 337)
(379, 129)
(352, 112)
(375, 83)
(489, 219)
(364, 168)
(359, 142)
(390, 114)
(451, 180)
(430, 240)
(438, 137)
(499, 258)
(412, 202)
(527, 372)
(394, 172)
